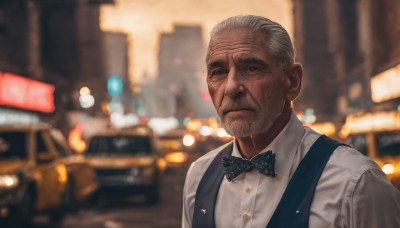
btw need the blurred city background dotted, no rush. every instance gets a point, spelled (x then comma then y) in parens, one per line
(94, 74)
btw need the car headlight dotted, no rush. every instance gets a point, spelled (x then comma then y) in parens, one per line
(9, 181)
(177, 157)
(188, 140)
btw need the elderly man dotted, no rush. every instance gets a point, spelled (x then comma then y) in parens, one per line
(276, 172)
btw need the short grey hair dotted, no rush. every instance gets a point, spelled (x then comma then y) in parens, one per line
(277, 39)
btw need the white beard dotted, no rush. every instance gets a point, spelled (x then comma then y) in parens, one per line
(243, 128)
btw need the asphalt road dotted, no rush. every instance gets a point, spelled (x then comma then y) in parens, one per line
(131, 211)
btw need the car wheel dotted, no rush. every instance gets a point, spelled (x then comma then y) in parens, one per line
(26, 209)
(21, 214)
(58, 214)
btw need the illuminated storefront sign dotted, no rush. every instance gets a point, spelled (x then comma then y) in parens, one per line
(25, 93)
(371, 122)
(385, 86)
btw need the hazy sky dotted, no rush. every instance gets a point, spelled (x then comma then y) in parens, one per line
(144, 20)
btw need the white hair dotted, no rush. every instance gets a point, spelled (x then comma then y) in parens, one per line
(277, 40)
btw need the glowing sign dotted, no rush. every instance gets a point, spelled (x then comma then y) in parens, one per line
(371, 122)
(385, 86)
(25, 93)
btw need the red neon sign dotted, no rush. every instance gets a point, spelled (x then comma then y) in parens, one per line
(25, 93)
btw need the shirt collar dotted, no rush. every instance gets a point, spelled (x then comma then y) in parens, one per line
(284, 145)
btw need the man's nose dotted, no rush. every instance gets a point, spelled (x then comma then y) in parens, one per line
(234, 86)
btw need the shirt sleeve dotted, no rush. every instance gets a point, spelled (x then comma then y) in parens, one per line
(375, 202)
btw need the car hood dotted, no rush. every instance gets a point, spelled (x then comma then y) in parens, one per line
(10, 167)
(120, 161)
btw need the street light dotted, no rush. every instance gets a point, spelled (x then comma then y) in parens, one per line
(86, 100)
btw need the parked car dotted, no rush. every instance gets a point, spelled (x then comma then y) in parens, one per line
(33, 178)
(126, 162)
(39, 174)
(376, 135)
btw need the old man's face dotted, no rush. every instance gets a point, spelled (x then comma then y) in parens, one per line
(246, 84)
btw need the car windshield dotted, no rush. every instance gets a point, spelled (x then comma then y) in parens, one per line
(13, 145)
(171, 143)
(128, 145)
(388, 144)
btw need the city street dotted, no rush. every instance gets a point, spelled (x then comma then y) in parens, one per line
(132, 212)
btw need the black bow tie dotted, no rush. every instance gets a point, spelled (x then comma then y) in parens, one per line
(264, 163)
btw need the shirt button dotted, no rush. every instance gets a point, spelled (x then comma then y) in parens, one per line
(248, 189)
(246, 217)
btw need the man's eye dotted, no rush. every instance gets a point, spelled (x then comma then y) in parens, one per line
(217, 72)
(253, 69)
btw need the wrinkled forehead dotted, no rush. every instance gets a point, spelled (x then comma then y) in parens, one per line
(238, 40)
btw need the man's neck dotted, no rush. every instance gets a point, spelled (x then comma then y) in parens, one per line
(254, 144)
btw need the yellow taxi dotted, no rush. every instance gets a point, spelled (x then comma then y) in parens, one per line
(39, 174)
(33, 178)
(127, 162)
(377, 135)
(176, 146)
(82, 179)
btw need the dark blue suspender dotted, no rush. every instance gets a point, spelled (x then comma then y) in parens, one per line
(294, 208)
(207, 191)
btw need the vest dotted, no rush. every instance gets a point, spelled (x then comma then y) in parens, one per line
(293, 209)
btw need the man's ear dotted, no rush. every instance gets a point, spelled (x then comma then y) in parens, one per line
(294, 74)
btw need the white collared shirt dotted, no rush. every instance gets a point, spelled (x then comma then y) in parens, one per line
(352, 191)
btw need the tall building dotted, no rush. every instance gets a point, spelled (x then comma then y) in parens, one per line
(116, 62)
(181, 82)
(26, 95)
(379, 42)
(311, 38)
(72, 48)
(58, 43)
(116, 55)
(20, 38)
(343, 45)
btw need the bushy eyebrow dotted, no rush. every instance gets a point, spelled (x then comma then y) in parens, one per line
(242, 60)
(215, 64)
(253, 61)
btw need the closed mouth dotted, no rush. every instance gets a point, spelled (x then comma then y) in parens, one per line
(236, 110)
